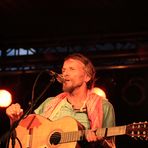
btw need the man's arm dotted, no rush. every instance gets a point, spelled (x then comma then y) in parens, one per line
(108, 121)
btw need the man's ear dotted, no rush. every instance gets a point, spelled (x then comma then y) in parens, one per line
(87, 78)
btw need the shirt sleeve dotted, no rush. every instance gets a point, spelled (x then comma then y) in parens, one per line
(108, 121)
(42, 106)
(108, 114)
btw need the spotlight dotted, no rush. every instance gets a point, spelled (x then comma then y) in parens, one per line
(5, 98)
(99, 91)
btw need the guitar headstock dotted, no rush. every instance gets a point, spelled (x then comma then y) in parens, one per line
(138, 130)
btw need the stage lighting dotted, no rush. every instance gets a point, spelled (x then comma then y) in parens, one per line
(5, 98)
(99, 91)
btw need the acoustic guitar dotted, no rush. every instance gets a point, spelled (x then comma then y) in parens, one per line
(36, 131)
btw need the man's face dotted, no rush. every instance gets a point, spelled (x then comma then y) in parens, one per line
(74, 75)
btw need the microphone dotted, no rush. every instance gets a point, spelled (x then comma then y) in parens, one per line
(59, 77)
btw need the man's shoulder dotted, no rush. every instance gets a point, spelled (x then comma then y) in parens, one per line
(107, 106)
(106, 102)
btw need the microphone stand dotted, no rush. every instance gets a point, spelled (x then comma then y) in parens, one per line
(13, 136)
(12, 133)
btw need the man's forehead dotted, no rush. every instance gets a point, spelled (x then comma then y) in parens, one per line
(73, 62)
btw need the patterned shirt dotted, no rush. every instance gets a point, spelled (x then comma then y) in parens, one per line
(66, 109)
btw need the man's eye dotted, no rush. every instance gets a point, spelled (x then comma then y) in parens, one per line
(63, 70)
(72, 68)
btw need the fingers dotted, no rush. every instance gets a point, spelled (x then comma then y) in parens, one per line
(91, 136)
(14, 111)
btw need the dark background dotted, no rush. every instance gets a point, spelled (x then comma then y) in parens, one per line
(47, 25)
(33, 23)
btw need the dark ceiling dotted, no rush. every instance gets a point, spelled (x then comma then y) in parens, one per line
(32, 21)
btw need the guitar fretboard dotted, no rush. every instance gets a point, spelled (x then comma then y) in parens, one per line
(80, 135)
(112, 131)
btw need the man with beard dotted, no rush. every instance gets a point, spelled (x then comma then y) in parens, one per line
(77, 101)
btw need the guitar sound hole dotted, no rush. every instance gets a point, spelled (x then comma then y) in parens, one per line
(55, 138)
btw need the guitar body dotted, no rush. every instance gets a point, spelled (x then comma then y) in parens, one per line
(35, 131)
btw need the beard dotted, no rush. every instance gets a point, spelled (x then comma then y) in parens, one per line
(68, 89)
(71, 87)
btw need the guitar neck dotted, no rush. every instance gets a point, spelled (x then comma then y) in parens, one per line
(101, 132)
(111, 131)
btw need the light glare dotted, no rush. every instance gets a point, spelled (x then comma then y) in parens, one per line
(99, 92)
(5, 98)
